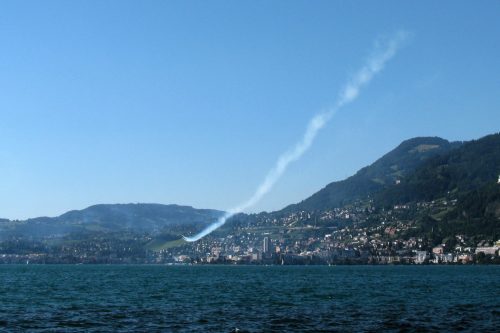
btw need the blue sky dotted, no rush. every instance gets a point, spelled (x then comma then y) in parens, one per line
(191, 102)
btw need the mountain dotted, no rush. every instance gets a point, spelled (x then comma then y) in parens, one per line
(382, 174)
(473, 165)
(418, 170)
(139, 216)
(116, 217)
(426, 189)
(428, 170)
(468, 175)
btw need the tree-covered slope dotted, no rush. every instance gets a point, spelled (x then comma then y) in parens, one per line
(383, 173)
(139, 216)
(115, 218)
(472, 166)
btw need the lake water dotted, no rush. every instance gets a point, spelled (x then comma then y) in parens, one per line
(249, 298)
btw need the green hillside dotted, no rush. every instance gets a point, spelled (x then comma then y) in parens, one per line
(470, 167)
(382, 174)
(151, 218)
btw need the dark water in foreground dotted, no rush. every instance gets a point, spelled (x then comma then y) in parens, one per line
(250, 298)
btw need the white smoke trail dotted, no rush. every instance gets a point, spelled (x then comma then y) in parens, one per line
(383, 53)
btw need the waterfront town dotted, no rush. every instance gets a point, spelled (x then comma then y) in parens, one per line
(348, 243)
(354, 234)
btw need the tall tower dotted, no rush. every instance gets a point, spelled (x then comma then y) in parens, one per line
(266, 246)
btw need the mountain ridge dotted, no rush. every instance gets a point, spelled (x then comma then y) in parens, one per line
(382, 173)
(418, 169)
(469, 167)
(117, 217)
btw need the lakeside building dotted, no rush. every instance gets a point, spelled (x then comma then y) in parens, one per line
(489, 250)
(421, 257)
(266, 246)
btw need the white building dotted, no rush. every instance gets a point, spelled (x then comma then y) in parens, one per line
(266, 246)
(421, 257)
(491, 250)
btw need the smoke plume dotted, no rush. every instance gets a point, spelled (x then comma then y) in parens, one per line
(384, 51)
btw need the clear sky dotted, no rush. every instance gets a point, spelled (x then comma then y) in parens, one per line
(191, 102)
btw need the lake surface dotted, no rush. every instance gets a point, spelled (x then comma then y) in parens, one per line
(249, 298)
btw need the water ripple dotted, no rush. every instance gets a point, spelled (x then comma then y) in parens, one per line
(249, 299)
